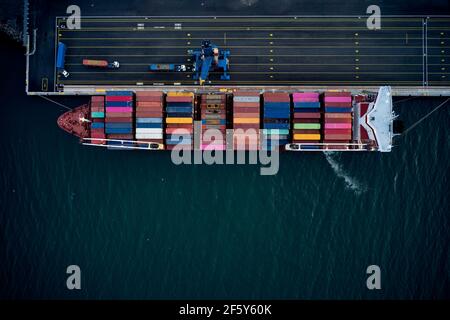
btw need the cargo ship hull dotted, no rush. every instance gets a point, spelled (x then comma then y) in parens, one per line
(250, 120)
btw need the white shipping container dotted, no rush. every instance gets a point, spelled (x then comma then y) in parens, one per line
(246, 99)
(149, 136)
(149, 130)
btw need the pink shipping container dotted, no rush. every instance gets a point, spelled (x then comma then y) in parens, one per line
(338, 125)
(301, 96)
(119, 109)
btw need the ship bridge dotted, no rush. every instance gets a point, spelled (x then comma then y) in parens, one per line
(378, 121)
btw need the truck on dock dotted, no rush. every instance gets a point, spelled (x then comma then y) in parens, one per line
(101, 64)
(167, 67)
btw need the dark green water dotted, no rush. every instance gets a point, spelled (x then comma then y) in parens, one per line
(141, 227)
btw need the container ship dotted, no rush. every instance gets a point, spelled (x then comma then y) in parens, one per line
(241, 119)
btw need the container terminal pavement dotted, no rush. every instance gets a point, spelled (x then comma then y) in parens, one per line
(407, 52)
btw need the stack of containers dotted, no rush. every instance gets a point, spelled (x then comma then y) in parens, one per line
(338, 117)
(98, 119)
(149, 116)
(306, 122)
(213, 115)
(119, 116)
(277, 110)
(246, 115)
(179, 115)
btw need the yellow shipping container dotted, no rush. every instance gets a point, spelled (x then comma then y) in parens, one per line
(180, 94)
(178, 120)
(306, 136)
(246, 120)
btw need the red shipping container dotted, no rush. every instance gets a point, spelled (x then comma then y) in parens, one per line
(218, 127)
(119, 114)
(338, 131)
(121, 136)
(98, 98)
(307, 115)
(338, 137)
(245, 105)
(119, 119)
(245, 109)
(148, 109)
(149, 93)
(97, 131)
(246, 126)
(179, 99)
(337, 94)
(246, 115)
(149, 99)
(172, 130)
(338, 115)
(307, 131)
(148, 104)
(338, 104)
(149, 114)
(306, 120)
(338, 120)
(119, 98)
(179, 125)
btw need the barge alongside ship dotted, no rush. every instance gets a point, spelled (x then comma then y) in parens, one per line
(239, 120)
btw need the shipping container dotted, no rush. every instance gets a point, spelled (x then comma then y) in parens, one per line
(314, 126)
(307, 136)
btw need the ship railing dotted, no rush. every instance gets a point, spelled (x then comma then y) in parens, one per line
(134, 144)
(323, 146)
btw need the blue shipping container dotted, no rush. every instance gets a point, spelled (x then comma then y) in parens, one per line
(149, 120)
(300, 110)
(119, 93)
(179, 109)
(60, 55)
(118, 125)
(306, 104)
(179, 104)
(278, 105)
(97, 125)
(338, 110)
(119, 104)
(276, 125)
(118, 130)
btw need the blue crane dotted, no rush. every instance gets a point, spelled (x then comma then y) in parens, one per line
(210, 58)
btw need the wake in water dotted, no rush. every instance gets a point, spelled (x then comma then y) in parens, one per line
(350, 182)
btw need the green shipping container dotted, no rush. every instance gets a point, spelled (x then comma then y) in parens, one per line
(312, 126)
(97, 114)
(275, 131)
